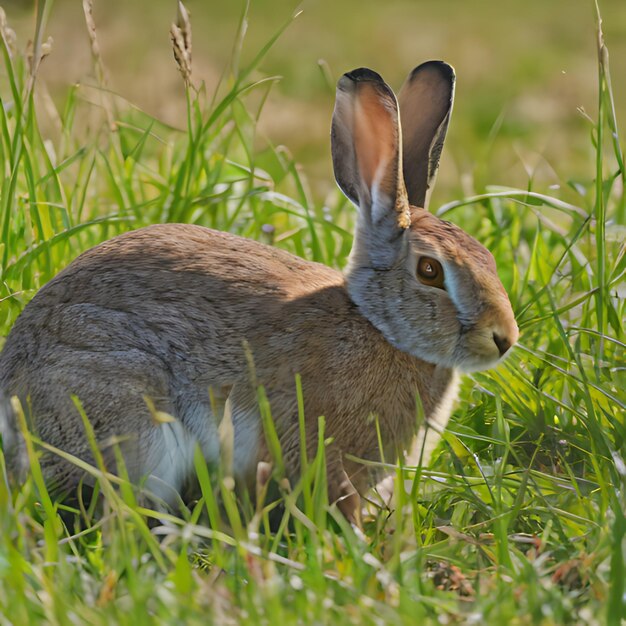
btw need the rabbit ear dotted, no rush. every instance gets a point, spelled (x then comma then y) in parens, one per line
(425, 105)
(367, 160)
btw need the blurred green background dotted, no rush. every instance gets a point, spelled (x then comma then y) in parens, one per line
(524, 70)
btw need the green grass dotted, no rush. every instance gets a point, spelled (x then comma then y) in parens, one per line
(520, 517)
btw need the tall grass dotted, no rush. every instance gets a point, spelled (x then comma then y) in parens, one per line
(518, 519)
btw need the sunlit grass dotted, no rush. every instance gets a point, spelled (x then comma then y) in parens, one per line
(519, 518)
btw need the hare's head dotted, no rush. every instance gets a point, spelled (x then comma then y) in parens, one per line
(430, 288)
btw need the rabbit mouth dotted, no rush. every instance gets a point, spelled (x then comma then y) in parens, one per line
(482, 350)
(483, 354)
(483, 346)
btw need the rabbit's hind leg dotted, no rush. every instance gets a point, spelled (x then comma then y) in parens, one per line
(125, 397)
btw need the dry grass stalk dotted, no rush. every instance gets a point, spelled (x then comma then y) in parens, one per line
(180, 34)
(95, 47)
(106, 99)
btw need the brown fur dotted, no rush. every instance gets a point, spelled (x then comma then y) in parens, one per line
(81, 335)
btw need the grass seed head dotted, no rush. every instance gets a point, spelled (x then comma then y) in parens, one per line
(34, 56)
(180, 34)
(7, 33)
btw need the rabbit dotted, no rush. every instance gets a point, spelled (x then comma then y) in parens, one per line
(189, 321)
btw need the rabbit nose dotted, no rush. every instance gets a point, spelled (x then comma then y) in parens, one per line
(502, 343)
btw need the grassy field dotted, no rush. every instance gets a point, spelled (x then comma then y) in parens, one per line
(520, 518)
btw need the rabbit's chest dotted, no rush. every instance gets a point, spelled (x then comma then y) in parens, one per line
(381, 416)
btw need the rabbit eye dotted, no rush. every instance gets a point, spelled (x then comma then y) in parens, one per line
(430, 272)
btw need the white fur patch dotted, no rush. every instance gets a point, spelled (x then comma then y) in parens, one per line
(170, 461)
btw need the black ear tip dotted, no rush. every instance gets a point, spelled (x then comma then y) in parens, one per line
(362, 74)
(442, 68)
